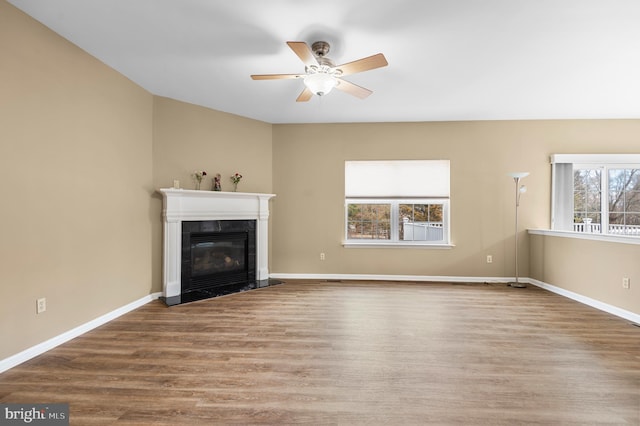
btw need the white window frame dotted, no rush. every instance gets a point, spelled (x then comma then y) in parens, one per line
(442, 197)
(604, 162)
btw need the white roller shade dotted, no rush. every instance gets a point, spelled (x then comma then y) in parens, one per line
(399, 178)
(562, 193)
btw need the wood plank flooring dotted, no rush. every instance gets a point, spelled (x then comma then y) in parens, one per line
(313, 352)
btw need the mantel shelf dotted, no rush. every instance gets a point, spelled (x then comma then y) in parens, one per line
(172, 192)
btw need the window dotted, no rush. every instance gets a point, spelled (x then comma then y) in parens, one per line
(596, 193)
(368, 221)
(397, 202)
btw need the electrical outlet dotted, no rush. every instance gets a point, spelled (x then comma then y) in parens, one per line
(321, 256)
(626, 283)
(489, 258)
(41, 305)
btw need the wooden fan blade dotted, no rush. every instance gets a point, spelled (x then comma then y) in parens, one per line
(275, 76)
(303, 51)
(364, 64)
(305, 95)
(353, 89)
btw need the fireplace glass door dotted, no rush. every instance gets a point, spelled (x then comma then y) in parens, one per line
(217, 254)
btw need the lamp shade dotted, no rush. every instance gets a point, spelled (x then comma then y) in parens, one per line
(518, 175)
(320, 83)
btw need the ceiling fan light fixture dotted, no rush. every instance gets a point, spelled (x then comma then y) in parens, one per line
(320, 83)
(321, 74)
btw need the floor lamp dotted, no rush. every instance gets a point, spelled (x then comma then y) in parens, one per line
(519, 190)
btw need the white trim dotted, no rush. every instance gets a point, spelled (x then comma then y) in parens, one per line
(595, 158)
(614, 310)
(609, 238)
(43, 347)
(374, 277)
(399, 244)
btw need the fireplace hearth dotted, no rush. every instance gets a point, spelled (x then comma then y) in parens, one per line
(215, 243)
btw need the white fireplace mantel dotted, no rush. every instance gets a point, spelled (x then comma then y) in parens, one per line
(189, 205)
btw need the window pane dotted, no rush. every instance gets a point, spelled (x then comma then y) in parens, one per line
(369, 221)
(617, 184)
(587, 200)
(593, 180)
(579, 203)
(633, 202)
(625, 224)
(624, 201)
(633, 220)
(420, 222)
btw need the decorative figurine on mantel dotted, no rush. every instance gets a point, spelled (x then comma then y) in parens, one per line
(235, 178)
(216, 182)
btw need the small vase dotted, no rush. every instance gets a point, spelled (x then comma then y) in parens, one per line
(197, 185)
(235, 187)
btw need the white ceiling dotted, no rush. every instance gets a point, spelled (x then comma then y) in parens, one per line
(448, 59)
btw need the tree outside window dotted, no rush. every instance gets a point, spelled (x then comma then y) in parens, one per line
(587, 195)
(369, 221)
(624, 200)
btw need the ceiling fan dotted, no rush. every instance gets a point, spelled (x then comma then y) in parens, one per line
(321, 74)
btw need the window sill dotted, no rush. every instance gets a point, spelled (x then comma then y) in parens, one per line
(369, 244)
(623, 239)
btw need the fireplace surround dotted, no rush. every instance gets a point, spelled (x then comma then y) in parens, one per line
(215, 243)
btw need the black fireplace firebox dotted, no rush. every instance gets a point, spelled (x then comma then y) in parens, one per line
(215, 259)
(218, 257)
(217, 253)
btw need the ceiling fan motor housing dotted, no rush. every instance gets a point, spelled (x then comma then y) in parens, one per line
(325, 65)
(320, 48)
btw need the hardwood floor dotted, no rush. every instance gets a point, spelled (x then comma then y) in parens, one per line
(347, 353)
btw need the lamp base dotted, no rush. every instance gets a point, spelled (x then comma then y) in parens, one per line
(517, 285)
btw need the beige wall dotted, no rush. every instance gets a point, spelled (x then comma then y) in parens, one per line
(309, 180)
(189, 138)
(590, 268)
(75, 167)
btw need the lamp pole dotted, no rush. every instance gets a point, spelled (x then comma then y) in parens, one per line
(519, 190)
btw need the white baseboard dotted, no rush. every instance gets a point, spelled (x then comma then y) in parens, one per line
(373, 277)
(614, 310)
(43, 347)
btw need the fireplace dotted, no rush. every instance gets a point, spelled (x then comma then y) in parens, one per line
(216, 254)
(215, 243)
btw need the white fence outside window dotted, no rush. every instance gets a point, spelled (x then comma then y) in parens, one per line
(595, 228)
(422, 231)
